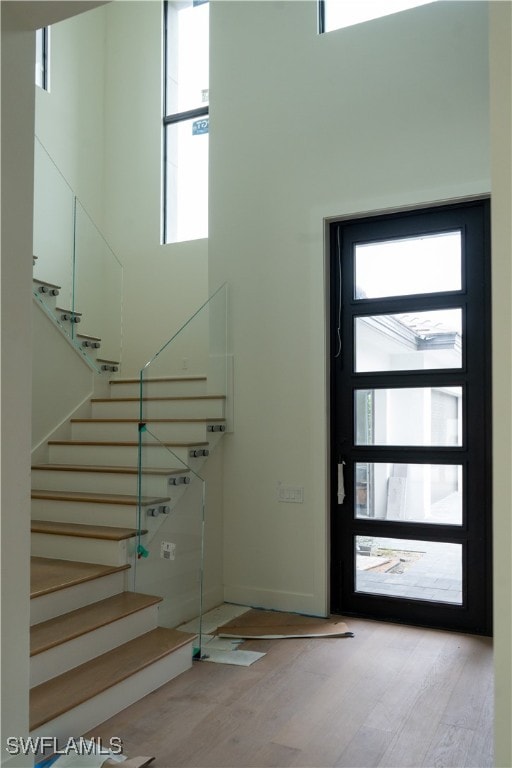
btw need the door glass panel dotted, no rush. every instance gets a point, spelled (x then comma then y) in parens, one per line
(409, 266)
(414, 493)
(411, 341)
(408, 416)
(422, 570)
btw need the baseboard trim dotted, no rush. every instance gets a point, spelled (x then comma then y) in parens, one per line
(276, 600)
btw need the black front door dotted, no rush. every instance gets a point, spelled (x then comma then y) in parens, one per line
(410, 424)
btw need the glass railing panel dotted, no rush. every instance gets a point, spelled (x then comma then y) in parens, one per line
(184, 398)
(98, 286)
(217, 371)
(169, 556)
(54, 203)
(197, 351)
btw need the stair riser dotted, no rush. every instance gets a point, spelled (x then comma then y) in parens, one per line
(123, 516)
(127, 431)
(64, 600)
(57, 660)
(100, 708)
(121, 456)
(81, 549)
(159, 389)
(99, 482)
(160, 409)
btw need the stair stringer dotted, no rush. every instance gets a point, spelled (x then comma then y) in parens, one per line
(53, 351)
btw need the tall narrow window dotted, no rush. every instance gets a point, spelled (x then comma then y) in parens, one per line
(334, 14)
(186, 120)
(42, 58)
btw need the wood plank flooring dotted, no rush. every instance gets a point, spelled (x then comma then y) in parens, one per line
(391, 696)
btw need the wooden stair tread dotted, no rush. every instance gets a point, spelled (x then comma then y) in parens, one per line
(68, 626)
(86, 336)
(84, 531)
(102, 360)
(148, 421)
(159, 378)
(69, 311)
(100, 468)
(129, 444)
(50, 575)
(99, 498)
(62, 693)
(156, 399)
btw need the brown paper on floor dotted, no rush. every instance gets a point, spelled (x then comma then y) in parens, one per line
(269, 625)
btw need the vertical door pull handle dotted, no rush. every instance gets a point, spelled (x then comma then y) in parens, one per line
(341, 482)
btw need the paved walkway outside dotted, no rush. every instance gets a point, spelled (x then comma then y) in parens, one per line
(434, 572)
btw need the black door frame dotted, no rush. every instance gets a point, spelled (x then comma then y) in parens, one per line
(475, 615)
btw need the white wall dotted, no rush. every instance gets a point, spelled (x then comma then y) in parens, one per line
(70, 121)
(101, 123)
(163, 285)
(501, 124)
(61, 379)
(70, 117)
(389, 113)
(18, 48)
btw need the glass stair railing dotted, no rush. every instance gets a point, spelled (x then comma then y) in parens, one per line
(184, 407)
(78, 279)
(175, 533)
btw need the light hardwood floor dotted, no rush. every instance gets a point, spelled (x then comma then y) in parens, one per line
(391, 696)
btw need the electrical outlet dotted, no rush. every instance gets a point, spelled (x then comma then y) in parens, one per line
(290, 494)
(184, 364)
(167, 550)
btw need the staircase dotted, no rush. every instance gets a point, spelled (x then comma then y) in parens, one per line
(95, 646)
(67, 320)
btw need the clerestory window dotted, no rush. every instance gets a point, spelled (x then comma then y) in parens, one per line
(43, 58)
(335, 14)
(186, 120)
